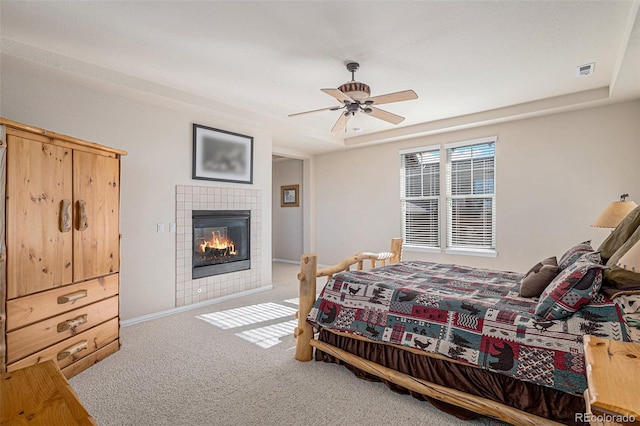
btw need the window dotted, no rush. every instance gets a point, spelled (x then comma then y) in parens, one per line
(467, 195)
(471, 196)
(420, 198)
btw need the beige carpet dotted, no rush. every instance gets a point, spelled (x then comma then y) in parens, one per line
(232, 363)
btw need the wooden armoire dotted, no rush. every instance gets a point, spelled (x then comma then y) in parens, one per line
(60, 253)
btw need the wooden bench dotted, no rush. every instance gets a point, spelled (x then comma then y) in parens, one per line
(40, 395)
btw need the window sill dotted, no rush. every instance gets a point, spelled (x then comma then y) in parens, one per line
(472, 252)
(454, 251)
(422, 249)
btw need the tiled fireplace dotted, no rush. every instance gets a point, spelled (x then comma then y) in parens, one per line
(229, 202)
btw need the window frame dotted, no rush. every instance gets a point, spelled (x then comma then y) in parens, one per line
(404, 198)
(444, 227)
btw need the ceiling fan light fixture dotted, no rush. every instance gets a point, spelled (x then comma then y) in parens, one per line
(356, 90)
(355, 96)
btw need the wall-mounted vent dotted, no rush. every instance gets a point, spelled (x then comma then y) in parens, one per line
(586, 69)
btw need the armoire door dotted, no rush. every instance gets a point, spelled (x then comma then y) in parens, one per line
(38, 211)
(96, 192)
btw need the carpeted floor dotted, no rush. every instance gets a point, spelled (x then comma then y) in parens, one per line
(232, 363)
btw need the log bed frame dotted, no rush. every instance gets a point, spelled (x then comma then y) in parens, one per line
(305, 343)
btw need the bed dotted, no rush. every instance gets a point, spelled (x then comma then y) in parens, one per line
(464, 338)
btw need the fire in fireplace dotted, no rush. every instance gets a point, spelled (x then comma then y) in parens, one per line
(221, 242)
(218, 246)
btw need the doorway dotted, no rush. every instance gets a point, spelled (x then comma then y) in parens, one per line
(287, 217)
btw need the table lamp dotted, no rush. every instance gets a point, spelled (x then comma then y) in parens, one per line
(614, 213)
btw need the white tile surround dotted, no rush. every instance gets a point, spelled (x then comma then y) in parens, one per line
(189, 198)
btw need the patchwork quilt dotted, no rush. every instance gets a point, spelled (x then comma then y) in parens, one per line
(469, 314)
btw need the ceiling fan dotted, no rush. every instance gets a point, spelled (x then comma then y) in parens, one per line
(355, 97)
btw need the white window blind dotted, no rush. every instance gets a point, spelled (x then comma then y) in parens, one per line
(471, 196)
(420, 197)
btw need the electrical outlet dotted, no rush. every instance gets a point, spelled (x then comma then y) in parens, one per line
(172, 227)
(160, 227)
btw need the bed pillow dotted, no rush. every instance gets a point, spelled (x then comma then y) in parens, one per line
(539, 277)
(617, 279)
(574, 253)
(620, 235)
(573, 288)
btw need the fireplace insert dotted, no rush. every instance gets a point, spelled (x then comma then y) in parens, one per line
(221, 242)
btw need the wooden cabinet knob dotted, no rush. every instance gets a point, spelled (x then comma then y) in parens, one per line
(72, 323)
(81, 217)
(72, 350)
(65, 215)
(72, 296)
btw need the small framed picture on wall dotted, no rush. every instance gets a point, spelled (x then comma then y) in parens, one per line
(290, 196)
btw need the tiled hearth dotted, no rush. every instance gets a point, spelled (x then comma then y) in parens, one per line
(189, 198)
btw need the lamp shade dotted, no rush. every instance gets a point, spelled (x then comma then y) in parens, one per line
(613, 214)
(631, 259)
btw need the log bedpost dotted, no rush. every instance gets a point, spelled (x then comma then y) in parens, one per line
(307, 276)
(304, 331)
(396, 249)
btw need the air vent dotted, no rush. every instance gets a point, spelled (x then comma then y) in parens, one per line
(586, 69)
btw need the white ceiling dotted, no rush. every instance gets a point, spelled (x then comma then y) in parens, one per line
(470, 62)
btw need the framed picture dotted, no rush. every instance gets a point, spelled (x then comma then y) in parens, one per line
(290, 196)
(221, 155)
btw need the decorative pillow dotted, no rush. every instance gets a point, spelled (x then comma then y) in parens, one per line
(574, 253)
(539, 277)
(573, 288)
(620, 235)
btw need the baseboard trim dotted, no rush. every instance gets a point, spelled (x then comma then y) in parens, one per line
(295, 262)
(191, 306)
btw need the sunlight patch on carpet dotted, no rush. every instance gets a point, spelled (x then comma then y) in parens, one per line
(296, 300)
(269, 336)
(247, 315)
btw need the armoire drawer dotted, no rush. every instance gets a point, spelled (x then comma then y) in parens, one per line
(74, 348)
(36, 307)
(35, 337)
(94, 358)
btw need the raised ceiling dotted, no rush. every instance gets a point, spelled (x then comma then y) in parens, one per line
(470, 62)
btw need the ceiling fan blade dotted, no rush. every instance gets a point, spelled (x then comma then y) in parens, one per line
(405, 95)
(338, 95)
(385, 115)
(342, 122)
(315, 110)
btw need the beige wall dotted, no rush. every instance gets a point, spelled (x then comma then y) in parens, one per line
(159, 140)
(554, 175)
(287, 226)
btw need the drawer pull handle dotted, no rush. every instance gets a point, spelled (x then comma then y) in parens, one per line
(65, 216)
(72, 323)
(73, 349)
(72, 297)
(81, 218)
